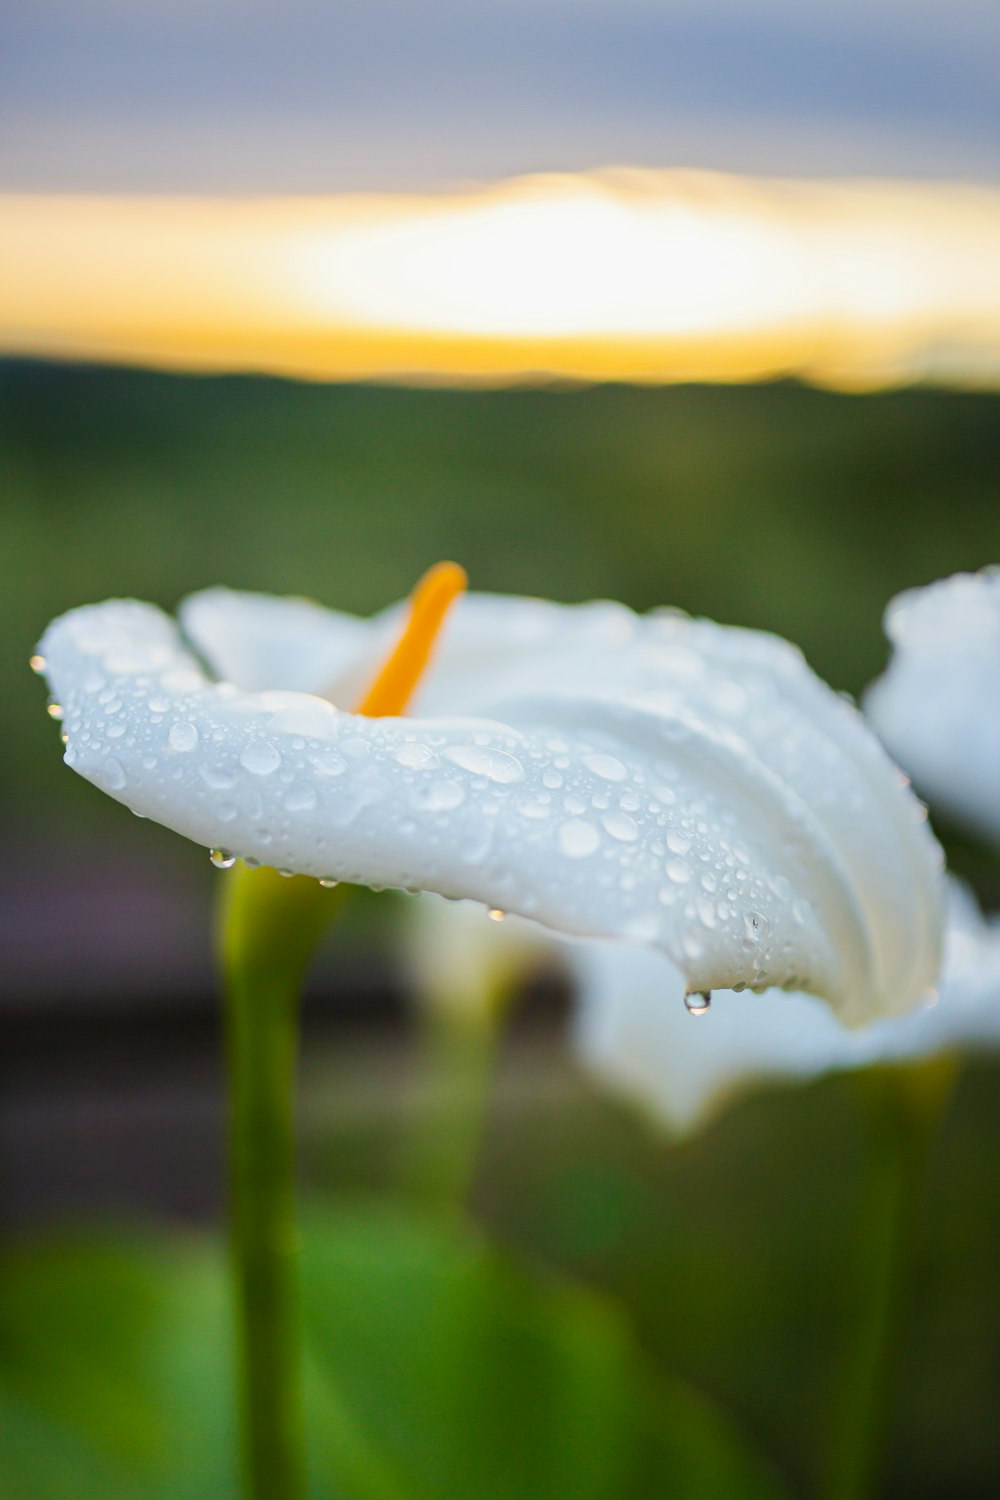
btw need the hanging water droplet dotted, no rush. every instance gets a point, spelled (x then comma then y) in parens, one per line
(698, 1001)
(222, 859)
(496, 915)
(54, 711)
(328, 882)
(37, 663)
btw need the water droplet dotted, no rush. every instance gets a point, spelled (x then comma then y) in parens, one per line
(495, 914)
(698, 1001)
(301, 713)
(222, 859)
(328, 882)
(752, 926)
(114, 775)
(495, 765)
(182, 737)
(678, 872)
(678, 843)
(621, 827)
(416, 757)
(217, 778)
(54, 711)
(578, 838)
(260, 759)
(37, 663)
(328, 763)
(607, 766)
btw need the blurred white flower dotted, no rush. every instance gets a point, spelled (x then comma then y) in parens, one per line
(632, 1030)
(937, 707)
(666, 781)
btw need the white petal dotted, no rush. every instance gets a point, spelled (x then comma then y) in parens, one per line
(258, 641)
(664, 781)
(937, 707)
(633, 1030)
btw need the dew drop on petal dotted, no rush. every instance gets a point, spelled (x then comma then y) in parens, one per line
(260, 759)
(328, 763)
(217, 778)
(54, 711)
(114, 775)
(222, 859)
(328, 883)
(495, 765)
(37, 663)
(577, 838)
(678, 872)
(495, 914)
(182, 737)
(752, 927)
(416, 757)
(678, 843)
(609, 767)
(621, 827)
(698, 1001)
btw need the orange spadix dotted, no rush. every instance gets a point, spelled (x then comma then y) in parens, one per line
(399, 675)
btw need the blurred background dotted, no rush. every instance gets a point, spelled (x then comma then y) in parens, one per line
(776, 505)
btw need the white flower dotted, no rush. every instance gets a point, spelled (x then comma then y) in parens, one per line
(937, 707)
(634, 1032)
(662, 780)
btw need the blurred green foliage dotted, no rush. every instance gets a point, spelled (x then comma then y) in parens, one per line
(438, 1369)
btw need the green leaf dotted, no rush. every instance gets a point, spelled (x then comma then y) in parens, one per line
(458, 1373)
(114, 1374)
(439, 1369)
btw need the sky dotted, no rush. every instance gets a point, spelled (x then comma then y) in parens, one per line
(328, 95)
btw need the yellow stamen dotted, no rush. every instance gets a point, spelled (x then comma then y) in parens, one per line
(403, 668)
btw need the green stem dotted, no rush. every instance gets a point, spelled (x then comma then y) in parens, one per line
(904, 1108)
(270, 929)
(454, 1072)
(462, 1012)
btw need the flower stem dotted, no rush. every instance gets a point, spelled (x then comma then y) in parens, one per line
(462, 1016)
(455, 1069)
(904, 1106)
(270, 929)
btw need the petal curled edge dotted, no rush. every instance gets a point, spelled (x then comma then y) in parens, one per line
(633, 1033)
(497, 653)
(937, 706)
(594, 818)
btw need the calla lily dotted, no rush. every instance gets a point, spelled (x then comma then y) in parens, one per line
(682, 1071)
(937, 707)
(670, 782)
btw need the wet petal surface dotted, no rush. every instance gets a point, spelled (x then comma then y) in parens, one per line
(665, 781)
(633, 1031)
